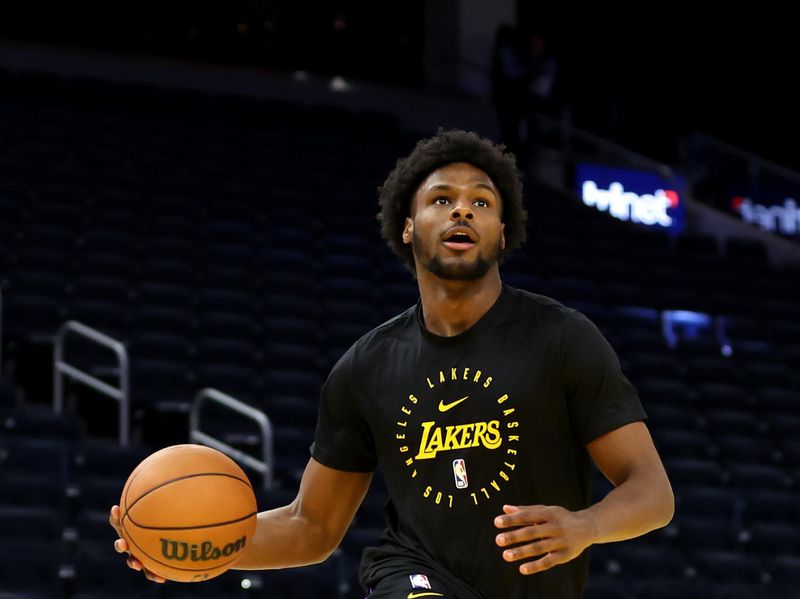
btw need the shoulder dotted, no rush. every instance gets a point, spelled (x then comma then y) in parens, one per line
(383, 338)
(544, 309)
(546, 318)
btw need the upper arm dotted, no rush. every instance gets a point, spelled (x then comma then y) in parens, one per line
(599, 396)
(627, 450)
(330, 498)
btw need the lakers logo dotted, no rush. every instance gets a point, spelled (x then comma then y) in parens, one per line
(437, 438)
(433, 426)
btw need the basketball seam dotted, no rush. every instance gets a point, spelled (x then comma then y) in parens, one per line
(142, 526)
(128, 487)
(169, 482)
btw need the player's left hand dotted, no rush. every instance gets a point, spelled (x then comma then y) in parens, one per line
(550, 533)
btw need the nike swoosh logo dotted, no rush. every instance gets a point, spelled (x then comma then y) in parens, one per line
(443, 407)
(415, 595)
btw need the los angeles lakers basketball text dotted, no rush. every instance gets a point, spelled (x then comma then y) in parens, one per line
(422, 441)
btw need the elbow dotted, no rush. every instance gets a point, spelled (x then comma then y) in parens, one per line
(666, 505)
(322, 544)
(325, 545)
(320, 540)
(661, 497)
(332, 537)
(671, 510)
(327, 552)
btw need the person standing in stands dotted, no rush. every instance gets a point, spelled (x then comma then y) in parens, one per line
(523, 72)
(509, 76)
(484, 406)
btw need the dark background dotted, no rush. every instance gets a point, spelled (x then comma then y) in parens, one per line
(646, 80)
(641, 77)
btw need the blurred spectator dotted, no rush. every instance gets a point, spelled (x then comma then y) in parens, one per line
(523, 76)
(542, 71)
(509, 73)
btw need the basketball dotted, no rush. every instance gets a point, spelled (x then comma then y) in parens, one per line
(188, 512)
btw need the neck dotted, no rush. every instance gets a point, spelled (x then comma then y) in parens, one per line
(451, 307)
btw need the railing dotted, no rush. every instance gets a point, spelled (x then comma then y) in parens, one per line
(263, 466)
(61, 369)
(571, 136)
(698, 148)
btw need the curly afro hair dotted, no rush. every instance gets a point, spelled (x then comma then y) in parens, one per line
(448, 147)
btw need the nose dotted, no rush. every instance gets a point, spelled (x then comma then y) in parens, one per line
(462, 210)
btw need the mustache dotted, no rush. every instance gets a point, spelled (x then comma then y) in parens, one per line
(462, 223)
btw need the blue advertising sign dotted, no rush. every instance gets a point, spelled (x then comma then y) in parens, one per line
(641, 197)
(776, 216)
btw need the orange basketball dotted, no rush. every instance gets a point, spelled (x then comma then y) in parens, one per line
(188, 512)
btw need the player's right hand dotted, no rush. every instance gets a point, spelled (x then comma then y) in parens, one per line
(121, 546)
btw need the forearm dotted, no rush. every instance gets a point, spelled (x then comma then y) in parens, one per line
(309, 529)
(285, 538)
(640, 504)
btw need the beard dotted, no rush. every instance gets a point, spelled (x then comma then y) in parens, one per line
(459, 271)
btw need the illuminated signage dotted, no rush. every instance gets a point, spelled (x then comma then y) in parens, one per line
(635, 196)
(776, 218)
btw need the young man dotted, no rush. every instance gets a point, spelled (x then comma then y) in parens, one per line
(482, 404)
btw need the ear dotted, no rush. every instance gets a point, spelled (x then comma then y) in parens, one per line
(408, 231)
(502, 236)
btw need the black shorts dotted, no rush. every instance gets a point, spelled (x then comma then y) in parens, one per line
(417, 583)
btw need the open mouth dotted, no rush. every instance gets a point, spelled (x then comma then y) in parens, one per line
(459, 239)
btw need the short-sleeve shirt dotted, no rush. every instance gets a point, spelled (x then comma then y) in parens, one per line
(460, 426)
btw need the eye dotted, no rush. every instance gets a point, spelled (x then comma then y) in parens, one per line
(481, 203)
(441, 200)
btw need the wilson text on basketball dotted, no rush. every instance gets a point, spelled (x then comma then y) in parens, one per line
(198, 552)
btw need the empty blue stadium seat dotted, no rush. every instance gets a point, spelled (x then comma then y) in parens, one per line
(785, 572)
(771, 506)
(664, 391)
(727, 565)
(707, 532)
(763, 476)
(41, 422)
(724, 396)
(104, 458)
(683, 443)
(19, 454)
(665, 417)
(638, 559)
(97, 569)
(769, 539)
(744, 422)
(779, 399)
(746, 449)
(31, 567)
(20, 524)
(670, 588)
(608, 587)
(711, 502)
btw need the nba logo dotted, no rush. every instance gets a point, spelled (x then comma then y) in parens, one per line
(420, 581)
(460, 473)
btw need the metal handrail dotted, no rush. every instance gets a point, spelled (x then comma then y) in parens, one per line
(570, 133)
(755, 163)
(263, 466)
(61, 368)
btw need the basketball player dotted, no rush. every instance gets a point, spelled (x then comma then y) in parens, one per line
(483, 404)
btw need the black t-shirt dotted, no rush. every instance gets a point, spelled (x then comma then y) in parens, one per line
(462, 425)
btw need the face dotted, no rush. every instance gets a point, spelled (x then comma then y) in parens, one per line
(455, 228)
